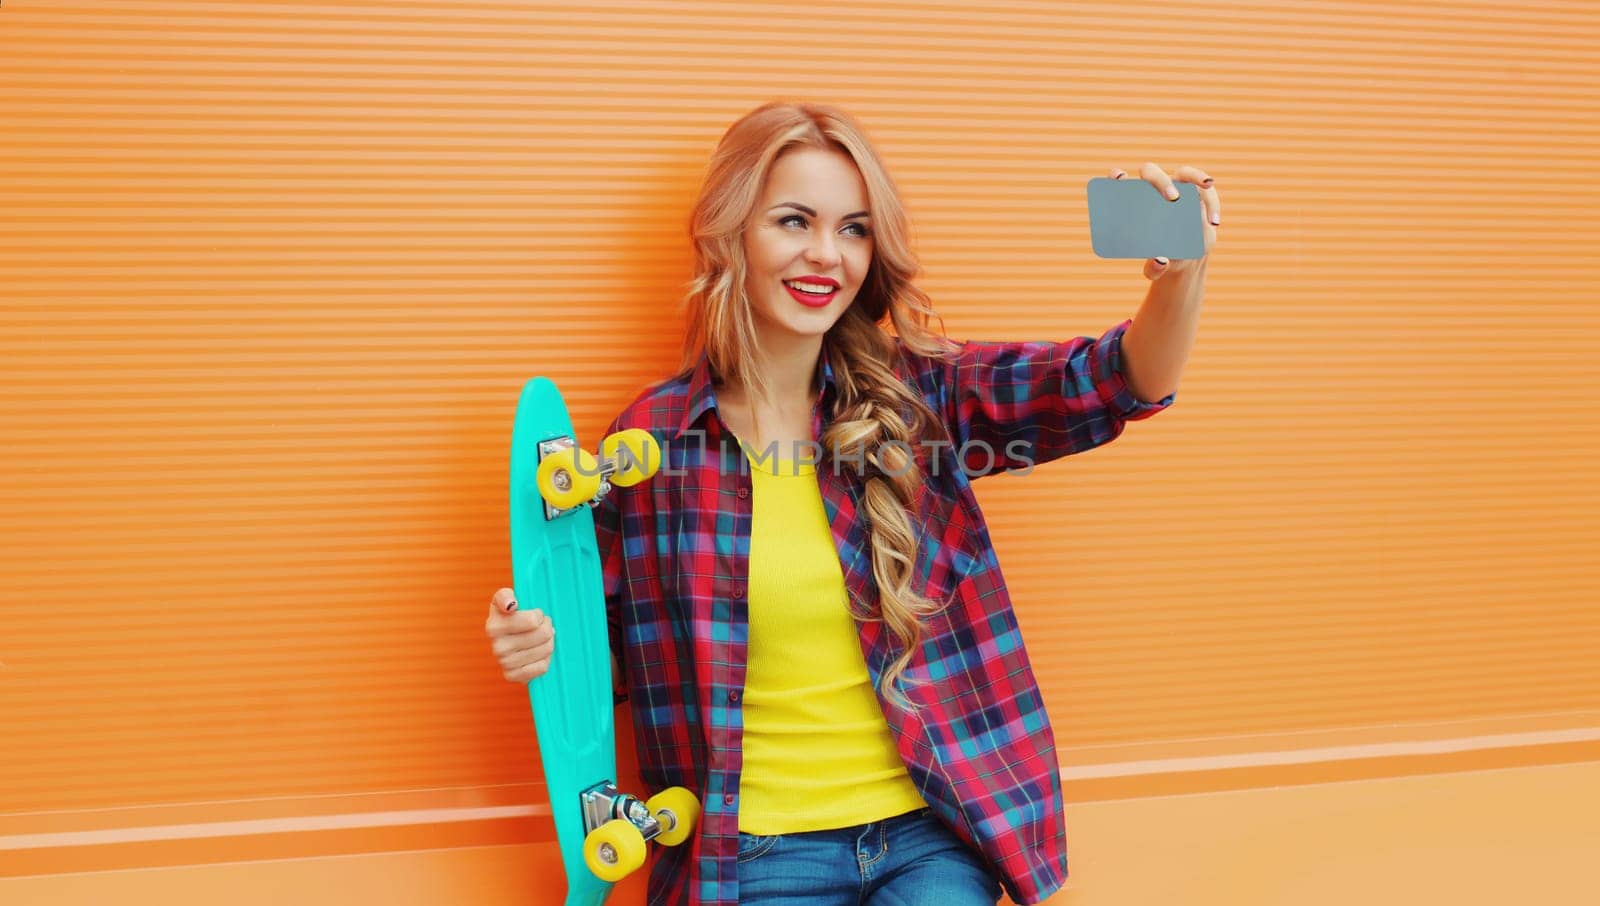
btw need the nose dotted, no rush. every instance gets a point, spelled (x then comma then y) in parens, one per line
(823, 251)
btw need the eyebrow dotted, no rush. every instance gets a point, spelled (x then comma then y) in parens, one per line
(800, 207)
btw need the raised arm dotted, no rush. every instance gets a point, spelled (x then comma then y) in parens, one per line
(1017, 404)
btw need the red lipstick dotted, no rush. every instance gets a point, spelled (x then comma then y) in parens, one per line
(813, 300)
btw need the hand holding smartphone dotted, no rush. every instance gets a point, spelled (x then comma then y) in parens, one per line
(1130, 218)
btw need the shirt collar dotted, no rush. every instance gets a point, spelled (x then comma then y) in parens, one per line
(702, 395)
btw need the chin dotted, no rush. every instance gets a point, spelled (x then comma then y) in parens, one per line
(809, 323)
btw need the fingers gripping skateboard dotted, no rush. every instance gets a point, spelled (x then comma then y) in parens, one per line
(569, 476)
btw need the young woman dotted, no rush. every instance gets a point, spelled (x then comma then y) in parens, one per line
(806, 608)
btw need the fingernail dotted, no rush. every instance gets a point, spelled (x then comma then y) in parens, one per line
(1216, 221)
(1207, 181)
(1161, 261)
(511, 607)
(1173, 196)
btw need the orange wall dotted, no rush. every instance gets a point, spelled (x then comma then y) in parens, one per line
(1523, 835)
(271, 276)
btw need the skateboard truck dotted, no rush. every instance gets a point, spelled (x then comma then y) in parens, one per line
(618, 825)
(562, 481)
(569, 477)
(603, 802)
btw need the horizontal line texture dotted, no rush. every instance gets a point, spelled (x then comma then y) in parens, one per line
(272, 276)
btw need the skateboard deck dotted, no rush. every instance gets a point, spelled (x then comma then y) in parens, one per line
(555, 563)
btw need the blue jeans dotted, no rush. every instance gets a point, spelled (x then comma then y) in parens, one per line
(910, 860)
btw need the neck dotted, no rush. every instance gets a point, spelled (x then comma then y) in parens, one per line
(790, 368)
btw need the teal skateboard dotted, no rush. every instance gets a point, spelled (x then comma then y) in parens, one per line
(555, 565)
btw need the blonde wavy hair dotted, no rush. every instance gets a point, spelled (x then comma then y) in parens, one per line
(876, 419)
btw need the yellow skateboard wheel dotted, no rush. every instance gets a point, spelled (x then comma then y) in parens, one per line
(614, 850)
(568, 477)
(636, 453)
(677, 810)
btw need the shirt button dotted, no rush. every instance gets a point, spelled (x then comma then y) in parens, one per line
(738, 591)
(733, 696)
(727, 798)
(743, 493)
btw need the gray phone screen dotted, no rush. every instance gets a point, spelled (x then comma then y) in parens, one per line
(1129, 218)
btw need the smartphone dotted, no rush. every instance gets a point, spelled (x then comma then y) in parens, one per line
(1130, 218)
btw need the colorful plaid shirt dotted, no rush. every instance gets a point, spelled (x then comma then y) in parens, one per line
(676, 554)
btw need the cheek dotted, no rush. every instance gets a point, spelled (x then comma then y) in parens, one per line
(860, 264)
(767, 254)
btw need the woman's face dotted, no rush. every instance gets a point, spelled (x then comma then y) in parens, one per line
(811, 222)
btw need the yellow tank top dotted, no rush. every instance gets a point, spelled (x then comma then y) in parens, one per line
(818, 753)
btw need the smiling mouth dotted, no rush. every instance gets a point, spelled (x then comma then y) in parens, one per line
(813, 299)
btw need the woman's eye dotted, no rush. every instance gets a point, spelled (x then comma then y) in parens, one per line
(860, 230)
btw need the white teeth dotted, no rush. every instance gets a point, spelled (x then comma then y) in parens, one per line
(812, 288)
